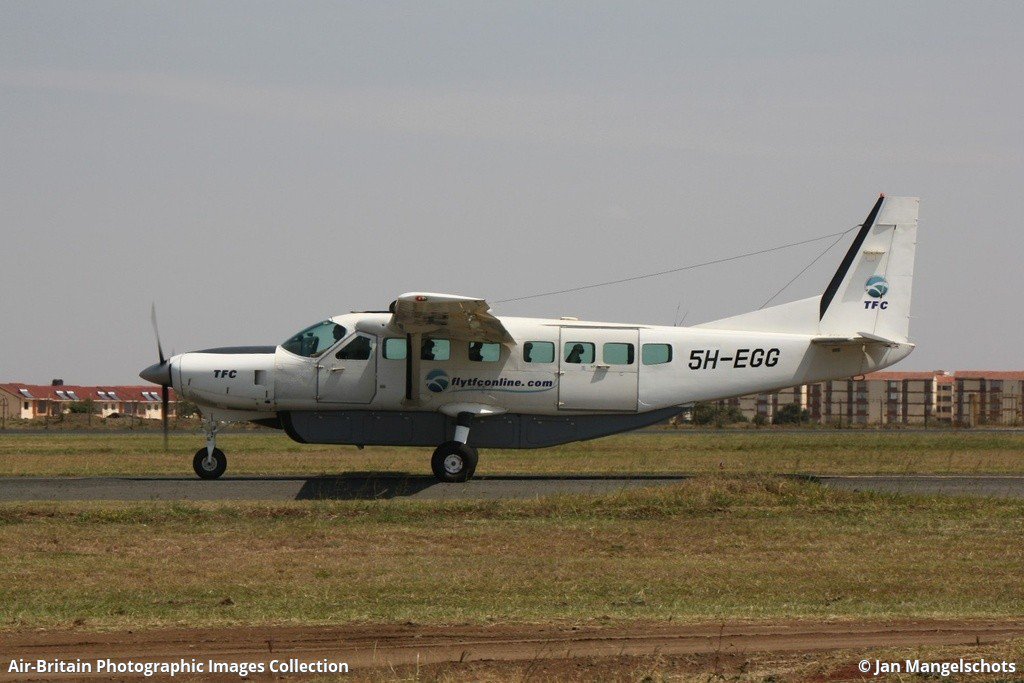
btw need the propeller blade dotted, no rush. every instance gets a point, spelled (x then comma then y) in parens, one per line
(165, 398)
(159, 348)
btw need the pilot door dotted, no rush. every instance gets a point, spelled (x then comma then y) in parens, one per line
(348, 374)
(598, 369)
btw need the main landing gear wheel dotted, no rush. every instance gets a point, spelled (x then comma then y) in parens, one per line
(209, 465)
(454, 461)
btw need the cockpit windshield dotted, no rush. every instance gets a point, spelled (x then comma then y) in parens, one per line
(315, 339)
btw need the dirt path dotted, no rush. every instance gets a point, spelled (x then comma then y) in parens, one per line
(368, 646)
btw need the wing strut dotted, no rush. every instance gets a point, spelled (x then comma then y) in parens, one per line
(413, 344)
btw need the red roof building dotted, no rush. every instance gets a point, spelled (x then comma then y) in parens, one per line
(19, 400)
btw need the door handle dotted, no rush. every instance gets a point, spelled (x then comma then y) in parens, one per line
(602, 367)
(337, 369)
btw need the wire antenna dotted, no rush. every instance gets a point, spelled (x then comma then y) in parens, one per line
(692, 266)
(806, 268)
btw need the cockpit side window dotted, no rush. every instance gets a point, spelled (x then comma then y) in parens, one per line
(360, 348)
(315, 339)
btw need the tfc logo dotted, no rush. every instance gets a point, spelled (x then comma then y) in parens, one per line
(876, 288)
(225, 373)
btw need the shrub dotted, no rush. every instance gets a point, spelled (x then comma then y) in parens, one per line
(85, 407)
(185, 409)
(791, 414)
(705, 413)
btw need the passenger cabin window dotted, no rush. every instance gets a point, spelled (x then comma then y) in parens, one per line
(539, 352)
(656, 354)
(315, 339)
(436, 349)
(394, 348)
(360, 348)
(484, 352)
(578, 352)
(615, 353)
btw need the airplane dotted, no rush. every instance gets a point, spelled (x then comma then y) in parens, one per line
(442, 370)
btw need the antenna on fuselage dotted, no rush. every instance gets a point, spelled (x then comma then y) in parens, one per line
(676, 320)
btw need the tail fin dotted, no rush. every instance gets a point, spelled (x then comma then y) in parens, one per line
(869, 295)
(870, 292)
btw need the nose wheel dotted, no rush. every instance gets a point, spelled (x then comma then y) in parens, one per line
(209, 464)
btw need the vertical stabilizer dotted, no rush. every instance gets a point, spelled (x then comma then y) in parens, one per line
(870, 292)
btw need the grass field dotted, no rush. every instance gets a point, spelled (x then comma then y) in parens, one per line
(746, 452)
(745, 667)
(713, 547)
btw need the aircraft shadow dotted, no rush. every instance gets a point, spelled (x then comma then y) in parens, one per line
(376, 486)
(364, 486)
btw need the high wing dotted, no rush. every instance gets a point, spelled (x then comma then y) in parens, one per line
(460, 317)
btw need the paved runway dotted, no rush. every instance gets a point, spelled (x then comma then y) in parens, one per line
(996, 486)
(346, 487)
(363, 486)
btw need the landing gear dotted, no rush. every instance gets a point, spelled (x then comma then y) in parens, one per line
(456, 460)
(209, 461)
(209, 464)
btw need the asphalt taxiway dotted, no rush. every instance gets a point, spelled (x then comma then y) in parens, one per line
(373, 486)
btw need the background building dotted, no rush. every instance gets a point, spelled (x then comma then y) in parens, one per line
(30, 401)
(987, 397)
(965, 398)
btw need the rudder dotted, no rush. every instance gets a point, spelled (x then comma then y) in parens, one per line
(870, 292)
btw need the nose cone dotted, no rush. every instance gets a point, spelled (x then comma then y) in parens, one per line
(158, 373)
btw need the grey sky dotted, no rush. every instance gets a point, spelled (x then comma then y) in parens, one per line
(254, 167)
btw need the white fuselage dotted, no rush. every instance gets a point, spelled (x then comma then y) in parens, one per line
(442, 370)
(620, 369)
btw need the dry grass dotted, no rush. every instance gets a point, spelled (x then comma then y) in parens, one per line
(749, 452)
(738, 667)
(715, 547)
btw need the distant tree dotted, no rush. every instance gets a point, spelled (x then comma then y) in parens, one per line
(706, 413)
(731, 415)
(703, 413)
(791, 414)
(185, 409)
(84, 407)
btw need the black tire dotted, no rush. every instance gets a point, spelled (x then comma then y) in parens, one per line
(202, 466)
(454, 462)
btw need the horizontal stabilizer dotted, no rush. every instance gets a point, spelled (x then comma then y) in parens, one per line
(861, 339)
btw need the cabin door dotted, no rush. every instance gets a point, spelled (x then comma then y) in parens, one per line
(598, 369)
(348, 373)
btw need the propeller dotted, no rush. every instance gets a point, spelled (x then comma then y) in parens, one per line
(160, 373)
(156, 331)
